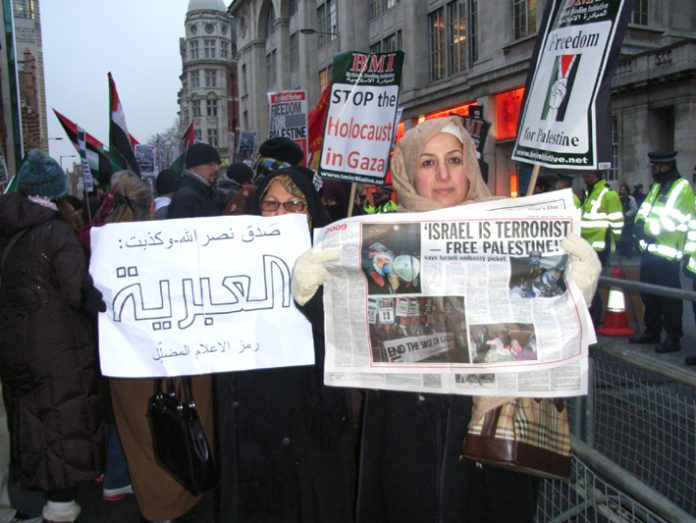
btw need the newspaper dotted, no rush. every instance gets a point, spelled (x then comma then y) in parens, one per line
(473, 299)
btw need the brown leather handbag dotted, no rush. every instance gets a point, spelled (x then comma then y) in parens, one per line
(525, 435)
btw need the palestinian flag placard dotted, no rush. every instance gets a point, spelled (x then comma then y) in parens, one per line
(566, 117)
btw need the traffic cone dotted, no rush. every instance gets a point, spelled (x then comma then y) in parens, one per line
(615, 320)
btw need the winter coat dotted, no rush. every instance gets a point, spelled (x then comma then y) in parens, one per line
(411, 471)
(193, 199)
(47, 355)
(286, 444)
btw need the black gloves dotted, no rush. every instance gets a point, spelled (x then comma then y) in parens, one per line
(92, 300)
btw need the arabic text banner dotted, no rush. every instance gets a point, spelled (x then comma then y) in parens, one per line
(200, 295)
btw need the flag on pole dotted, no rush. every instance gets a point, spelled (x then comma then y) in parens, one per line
(315, 126)
(186, 141)
(96, 154)
(120, 141)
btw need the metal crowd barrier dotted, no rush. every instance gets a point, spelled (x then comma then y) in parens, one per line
(634, 439)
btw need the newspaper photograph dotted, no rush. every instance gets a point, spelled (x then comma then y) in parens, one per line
(474, 299)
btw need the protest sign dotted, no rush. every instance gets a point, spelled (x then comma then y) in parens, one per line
(359, 126)
(200, 295)
(566, 114)
(247, 144)
(288, 117)
(420, 301)
(87, 179)
(477, 128)
(145, 156)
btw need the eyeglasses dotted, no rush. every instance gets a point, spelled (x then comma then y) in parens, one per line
(273, 205)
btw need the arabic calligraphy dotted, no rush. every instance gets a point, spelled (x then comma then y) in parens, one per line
(203, 300)
(218, 347)
(250, 234)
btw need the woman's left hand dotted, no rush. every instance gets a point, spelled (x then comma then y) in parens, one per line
(584, 267)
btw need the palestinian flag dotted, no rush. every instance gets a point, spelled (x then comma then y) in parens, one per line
(315, 126)
(120, 144)
(187, 140)
(97, 155)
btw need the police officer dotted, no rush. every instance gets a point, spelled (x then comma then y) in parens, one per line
(565, 181)
(600, 224)
(660, 228)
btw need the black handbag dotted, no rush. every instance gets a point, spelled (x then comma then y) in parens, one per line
(177, 435)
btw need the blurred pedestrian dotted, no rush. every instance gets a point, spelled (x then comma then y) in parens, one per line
(630, 208)
(195, 196)
(166, 184)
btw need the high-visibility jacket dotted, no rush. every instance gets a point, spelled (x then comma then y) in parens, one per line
(602, 213)
(663, 219)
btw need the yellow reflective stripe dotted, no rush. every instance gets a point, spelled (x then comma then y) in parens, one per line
(594, 224)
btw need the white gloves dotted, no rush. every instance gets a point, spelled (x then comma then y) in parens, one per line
(309, 273)
(584, 267)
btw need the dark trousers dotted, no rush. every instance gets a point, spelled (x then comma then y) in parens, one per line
(596, 307)
(660, 312)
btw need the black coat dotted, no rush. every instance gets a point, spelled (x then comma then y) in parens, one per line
(410, 471)
(194, 199)
(47, 355)
(286, 445)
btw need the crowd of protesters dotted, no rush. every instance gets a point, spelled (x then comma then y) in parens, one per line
(289, 449)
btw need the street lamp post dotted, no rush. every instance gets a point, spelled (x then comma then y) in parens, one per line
(60, 158)
(312, 31)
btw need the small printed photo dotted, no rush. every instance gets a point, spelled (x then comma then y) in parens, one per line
(500, 342)
(537, 276)
(418, 329)
(391, 258)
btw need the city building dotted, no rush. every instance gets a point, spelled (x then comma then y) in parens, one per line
(29, 55)
(208, 95)
(468, 52)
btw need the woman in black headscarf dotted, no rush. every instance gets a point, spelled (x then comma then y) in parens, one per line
(286, 445)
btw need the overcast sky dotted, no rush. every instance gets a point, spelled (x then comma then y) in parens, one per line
(137, 40)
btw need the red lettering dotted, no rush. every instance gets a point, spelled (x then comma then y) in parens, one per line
(359, 62)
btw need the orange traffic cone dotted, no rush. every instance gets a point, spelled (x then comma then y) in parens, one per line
(615, 320)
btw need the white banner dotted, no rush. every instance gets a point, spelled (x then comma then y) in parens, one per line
(200, 295)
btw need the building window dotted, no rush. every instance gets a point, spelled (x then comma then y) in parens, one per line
(292, 7)
(376, 47)
(524, 17)
(436, 24)
(245, 119)
(195, 79)
(294, 53)
(388, 4)
(392, 42)
(473, 31)
(244, 79)
(211, 107)
(193, 49)
(224, 49)
(213, 137)
(612, 175)
(270, 22)
(324, 78)
(271, 69)
(327, 22)
(196, 107)
(640, 12)
(24, 9)
(456, 37)
(210, 78)
(375, 9)
(197, 135)
(209, 48)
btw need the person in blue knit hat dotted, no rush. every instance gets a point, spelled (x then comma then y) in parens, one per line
(48, 361)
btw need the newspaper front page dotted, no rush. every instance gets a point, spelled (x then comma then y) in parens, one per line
(474, 299)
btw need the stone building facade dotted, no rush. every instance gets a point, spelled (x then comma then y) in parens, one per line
(465, 52)
(208, 95)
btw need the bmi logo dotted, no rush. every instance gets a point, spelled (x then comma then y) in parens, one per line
(565, 68)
